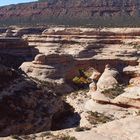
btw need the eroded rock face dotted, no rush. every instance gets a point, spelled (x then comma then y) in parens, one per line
(50, 68)
(19, 32)
(15, 47)
(132, 71)
(53, 66)
(70, 10)
(40, 59)
(92, 87)
(26, 106)
(115, 46)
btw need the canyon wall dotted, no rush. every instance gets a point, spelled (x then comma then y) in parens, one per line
(71, 12)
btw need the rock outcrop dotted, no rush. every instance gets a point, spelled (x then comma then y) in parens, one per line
(16, 47)
(108, 79)
(52, 68)
(107, 44)
(108, 84)
(132, 71)
(127, 128)
(26, 105)
(89, 48)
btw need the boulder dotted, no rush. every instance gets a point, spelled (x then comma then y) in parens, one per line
(100, 97)
(108, 79)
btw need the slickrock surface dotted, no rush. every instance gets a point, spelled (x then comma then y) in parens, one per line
(127, 129)
(131, 97)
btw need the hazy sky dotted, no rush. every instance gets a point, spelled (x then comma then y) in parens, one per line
(7, 2)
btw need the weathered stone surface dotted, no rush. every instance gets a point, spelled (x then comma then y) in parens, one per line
(16, 47)
(107, 44)
(130, 98)
(132, 71)
(92, 87)
(100, 97)
(19, 32)
(40, 59)
(128, 128)
(26, 106)
(53, 66)
(95, 75)
(135, 81)
(107, 80)
(50, 68)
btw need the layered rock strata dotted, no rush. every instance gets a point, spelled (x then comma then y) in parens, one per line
(51, 68)
(69, 12)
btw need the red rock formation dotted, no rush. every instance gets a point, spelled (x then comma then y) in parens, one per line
(69, 9)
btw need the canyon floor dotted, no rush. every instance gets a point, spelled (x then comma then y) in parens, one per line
(60, 83)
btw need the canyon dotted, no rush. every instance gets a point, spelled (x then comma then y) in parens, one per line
(68, 82)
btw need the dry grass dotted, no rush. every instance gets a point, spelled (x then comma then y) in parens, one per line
(98, 118)
(114, 92)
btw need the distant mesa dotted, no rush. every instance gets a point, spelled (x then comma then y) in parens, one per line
(73, 13)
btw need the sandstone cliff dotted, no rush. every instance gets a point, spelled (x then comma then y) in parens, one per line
(73, 12)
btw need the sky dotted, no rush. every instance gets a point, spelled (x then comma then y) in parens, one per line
(7, 2)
